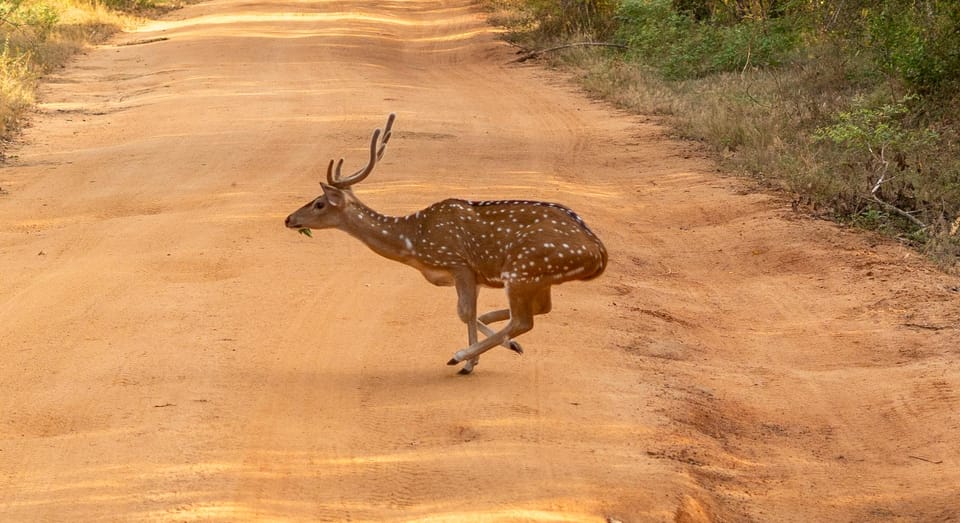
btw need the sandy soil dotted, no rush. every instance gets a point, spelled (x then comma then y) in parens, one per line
(171, 352)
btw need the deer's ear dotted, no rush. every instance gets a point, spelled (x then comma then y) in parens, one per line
(334, 196)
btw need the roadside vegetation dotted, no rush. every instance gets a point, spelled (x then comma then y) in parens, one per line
(38, 36)
(852, 108)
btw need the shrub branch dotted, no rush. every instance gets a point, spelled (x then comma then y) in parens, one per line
(884, 164)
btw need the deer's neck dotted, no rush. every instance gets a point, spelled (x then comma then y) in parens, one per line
(389, 236)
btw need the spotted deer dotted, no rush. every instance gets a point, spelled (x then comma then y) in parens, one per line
(522, 246)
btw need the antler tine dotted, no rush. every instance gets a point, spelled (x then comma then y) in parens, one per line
(358, 176)
(377, 147)
(387, 133)
(333, 174)
(330, 178)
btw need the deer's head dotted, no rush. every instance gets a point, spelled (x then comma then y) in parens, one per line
(326, 211)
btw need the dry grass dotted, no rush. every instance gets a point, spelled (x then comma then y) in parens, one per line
(38, 36)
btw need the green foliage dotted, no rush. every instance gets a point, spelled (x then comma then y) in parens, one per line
(851, 106)
(733, 11)
(873, 219)
(680, 46)
(894, 163)
(878, 130)
(917, 42)
(36, 18)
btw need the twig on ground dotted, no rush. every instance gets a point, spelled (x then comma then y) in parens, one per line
(926, 327)
(927, 460)
(144, 41)
(534, 54)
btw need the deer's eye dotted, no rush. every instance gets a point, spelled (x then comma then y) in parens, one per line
(318, 204)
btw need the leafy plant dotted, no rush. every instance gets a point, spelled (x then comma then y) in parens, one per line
(852, 106)
(681, 46)
(917, 42)
(876, 138)
(36, 18)
(877, 129)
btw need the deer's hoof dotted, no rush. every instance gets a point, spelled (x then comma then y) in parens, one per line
(457, 357)
(464, 371)
(515, 347)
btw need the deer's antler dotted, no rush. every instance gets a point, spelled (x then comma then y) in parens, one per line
(377, 147)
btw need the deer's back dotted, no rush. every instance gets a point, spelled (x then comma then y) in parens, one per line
(507, 241)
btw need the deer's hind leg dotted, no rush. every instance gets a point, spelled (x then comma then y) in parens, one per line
(467, 310)
(467, 292)
(541, 305)
(542, 302)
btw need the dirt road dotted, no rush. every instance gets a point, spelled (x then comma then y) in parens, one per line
(171, 352)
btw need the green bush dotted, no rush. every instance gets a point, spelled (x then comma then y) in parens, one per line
(878, 130)
(37, 19)
(917, 42)
(680, 46)
(893, 162)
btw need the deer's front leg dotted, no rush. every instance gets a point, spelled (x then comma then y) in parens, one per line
(467, 310)
(498, 315)
(521, 320)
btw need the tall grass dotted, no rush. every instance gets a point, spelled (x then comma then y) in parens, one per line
(852, 111)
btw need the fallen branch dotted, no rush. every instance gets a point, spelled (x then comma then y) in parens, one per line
(884, 165)
(899, 211)
(534, 54)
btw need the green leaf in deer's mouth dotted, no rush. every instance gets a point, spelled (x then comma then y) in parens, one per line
(305, 231)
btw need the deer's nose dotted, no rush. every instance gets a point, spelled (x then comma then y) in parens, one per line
(288, 222)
